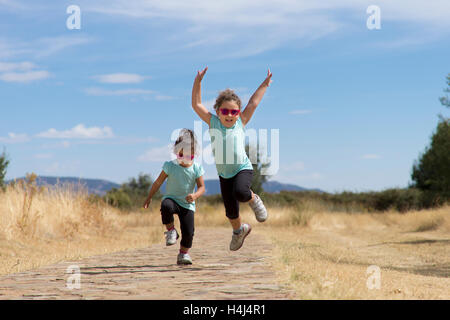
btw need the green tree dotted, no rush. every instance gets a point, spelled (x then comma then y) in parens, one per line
(4, 162)
(258, 178)
(446, 100)
(137, 189)
(431, 172)
(131, 194)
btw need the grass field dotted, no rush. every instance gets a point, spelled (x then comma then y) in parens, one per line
(318, 254)
(329, 256)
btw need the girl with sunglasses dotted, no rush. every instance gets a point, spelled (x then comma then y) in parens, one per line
(182, 174)
(235, 170)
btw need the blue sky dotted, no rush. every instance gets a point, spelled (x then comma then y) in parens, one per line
(354, 107)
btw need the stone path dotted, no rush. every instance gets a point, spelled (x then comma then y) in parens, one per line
(152, 273)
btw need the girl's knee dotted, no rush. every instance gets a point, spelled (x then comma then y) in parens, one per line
(167, 211)
(243, 194)
(167, 205)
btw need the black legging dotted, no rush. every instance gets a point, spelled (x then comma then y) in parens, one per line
(234, 190)
(168, 208)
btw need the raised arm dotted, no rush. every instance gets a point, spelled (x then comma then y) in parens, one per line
(197, 105)
(256, 98)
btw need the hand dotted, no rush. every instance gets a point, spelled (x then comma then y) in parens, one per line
(268, 80)
(147, 203)
(201, 74)
(190, 197)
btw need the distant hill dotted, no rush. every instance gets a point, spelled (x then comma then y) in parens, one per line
(275, 186)
(100, 187)
(213, 187)
(96, 186)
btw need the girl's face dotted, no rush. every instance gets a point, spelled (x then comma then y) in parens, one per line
(228, 113)
(184, 160)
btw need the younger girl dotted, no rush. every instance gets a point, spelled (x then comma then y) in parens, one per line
(179, 198)
(235, 170)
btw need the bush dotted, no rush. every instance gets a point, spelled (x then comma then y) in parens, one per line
(132, 194)
(118, 198)
(353, 202)
(397, 199)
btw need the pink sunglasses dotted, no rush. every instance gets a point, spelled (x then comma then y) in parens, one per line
(181, 156)
(226, 112)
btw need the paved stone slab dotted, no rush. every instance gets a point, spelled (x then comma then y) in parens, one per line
(152, 273)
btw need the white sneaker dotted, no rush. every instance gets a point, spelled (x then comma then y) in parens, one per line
(237, 240)
(184, 258)
(171, 237)
(259, 209)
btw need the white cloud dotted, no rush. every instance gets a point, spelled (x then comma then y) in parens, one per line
(118, 92)
(24, 77)
(157, 154)
(256, 26)
(15, 138)
(21, 72)
(78, 132)
(44, 47)
(39, 48)
(120, 78)
(251, 26)
(16, 66)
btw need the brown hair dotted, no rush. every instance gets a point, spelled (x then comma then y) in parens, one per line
(227, 95)
(186, 139)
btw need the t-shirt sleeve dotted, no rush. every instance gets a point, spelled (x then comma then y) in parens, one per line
(239, 121)
(199, 172)
(213, 121)
(166, 167)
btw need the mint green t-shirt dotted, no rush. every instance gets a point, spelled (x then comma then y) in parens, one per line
(181, 181)
(228, 147)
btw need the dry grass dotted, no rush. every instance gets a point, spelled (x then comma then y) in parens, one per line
(318, 254)
(39, 226)
(328, 257)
